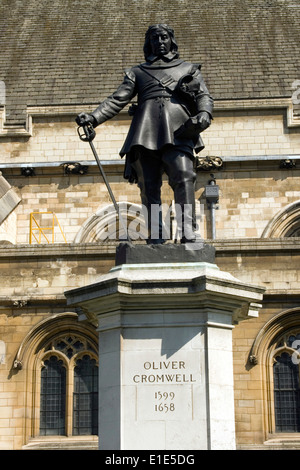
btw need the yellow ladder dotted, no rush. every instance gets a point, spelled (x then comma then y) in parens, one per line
(36, 227)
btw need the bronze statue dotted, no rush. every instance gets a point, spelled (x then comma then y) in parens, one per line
(173, 108)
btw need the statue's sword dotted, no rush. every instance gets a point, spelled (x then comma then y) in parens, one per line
(88, 136)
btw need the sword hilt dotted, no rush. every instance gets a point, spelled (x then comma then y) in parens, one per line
(88, 132)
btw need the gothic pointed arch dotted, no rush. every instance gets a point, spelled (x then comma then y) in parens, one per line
(56, 357)
(103, 225)
(274, 328)
(46, 329)
(286, 223)
(276, 352)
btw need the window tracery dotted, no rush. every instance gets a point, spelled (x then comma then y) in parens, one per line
(69, 386)
(276, 351)
(286, 382)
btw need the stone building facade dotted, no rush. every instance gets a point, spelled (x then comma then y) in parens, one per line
(57, 231)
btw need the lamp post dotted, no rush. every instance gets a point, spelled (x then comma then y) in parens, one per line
(212, 198)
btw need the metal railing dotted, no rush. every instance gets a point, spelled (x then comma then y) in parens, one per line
(35, 226)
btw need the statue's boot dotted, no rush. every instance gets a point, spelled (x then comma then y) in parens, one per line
(184, 194)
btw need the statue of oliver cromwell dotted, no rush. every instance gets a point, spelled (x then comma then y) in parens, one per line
(173, 108)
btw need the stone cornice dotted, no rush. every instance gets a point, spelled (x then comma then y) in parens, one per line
(69, 250)
(260, 163)
(96, 251)
(18, 130)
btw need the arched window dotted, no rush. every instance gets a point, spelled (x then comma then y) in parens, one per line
(276, 351)
(286, 394)
(285, 224)
(104, 225)
(69, 387)
(59, 356)
(286, 382)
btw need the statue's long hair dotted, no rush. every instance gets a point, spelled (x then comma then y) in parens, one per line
(147, 45)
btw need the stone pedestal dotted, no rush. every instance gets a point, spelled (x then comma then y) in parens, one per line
(165, 348)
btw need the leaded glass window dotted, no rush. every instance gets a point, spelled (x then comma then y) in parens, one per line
(287, 388)
(85, 397)
(69, 369)
(53, 397)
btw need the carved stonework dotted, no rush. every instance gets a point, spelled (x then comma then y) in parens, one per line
(75, 168)
(287, 164)
(20, 303)
(253, 360)
(17, 364)
(27, 171)
(208, 163)
(9, 199)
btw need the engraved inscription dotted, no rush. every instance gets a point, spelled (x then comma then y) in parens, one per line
(164, 401)
(165, 388)
(164, 372)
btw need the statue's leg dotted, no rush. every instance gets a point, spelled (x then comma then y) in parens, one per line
(148, 168)
(180, 170)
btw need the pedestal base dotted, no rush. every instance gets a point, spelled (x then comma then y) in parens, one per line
(165, 353)
(127, 253)
(167, 385)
